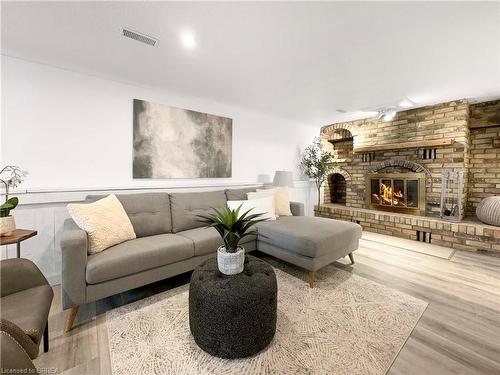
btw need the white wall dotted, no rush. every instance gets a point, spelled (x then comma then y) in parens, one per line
(73, 133)
(71, 130)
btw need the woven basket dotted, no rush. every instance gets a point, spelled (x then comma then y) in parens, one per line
(488, 211)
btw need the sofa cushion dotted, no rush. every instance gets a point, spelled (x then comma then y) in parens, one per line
(29, 310)
(281, 197)
(205, 240)
(309, 236)
(239, 194)
(264, 206)
(149, 213)
(137, 255)
(105, 222)
(185, 207)
(208, 240)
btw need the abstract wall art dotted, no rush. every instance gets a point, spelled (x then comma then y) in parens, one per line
(171, 142)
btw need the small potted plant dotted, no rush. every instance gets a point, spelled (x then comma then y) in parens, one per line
(11, 176)
(232, 227)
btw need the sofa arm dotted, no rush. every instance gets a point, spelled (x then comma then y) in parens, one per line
(13, 357)
(21, 338)
(19, 274)
(74, 264)
(297, 208)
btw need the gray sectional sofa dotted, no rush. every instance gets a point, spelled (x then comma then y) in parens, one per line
(170, 241)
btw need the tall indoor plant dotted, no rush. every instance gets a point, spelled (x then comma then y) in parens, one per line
(232, 227)
(11, 176)
(316, 163)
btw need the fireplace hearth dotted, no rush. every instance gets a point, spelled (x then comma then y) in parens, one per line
(397, 192)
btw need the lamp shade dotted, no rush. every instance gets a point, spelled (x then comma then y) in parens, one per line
(283, 178)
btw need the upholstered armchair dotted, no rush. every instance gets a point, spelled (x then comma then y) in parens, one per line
(25, 302)
(13, 357)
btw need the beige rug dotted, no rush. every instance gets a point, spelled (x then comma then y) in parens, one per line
(346, 325)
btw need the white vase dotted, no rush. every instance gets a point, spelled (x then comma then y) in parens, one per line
(231, 263)
(7, 225)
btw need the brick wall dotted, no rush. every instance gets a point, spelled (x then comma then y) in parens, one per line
(469, 236)
(443, 121)
(484, 168)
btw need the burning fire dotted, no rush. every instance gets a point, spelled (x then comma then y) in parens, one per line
(387, 196)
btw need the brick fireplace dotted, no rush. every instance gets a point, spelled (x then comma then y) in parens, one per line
(388, 172)
(396, 192)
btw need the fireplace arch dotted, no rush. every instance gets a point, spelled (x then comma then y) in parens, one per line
(336, 186)
(406, 164)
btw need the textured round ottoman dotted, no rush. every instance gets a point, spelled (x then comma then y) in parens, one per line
(233, 316)
(488, 210)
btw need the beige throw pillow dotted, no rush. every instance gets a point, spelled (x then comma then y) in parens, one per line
(264, 206)
(282, 200)
(105, 222)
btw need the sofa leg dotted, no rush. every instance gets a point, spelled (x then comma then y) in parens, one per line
(351, 257)
(71, 318)
(312, 278)
(46, 338)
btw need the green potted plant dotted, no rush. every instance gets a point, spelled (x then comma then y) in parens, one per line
(11, 176)
(232, 227)
(316, 164)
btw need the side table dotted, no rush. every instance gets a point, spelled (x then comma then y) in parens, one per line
(16, 237)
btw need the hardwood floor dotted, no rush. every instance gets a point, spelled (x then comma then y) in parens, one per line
(459, 333)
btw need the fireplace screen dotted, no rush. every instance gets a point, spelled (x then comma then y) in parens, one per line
(397, 192)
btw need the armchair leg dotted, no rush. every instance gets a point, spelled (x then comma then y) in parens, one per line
(351, 257)
(312, 278)
(46, 338)
(71, 318)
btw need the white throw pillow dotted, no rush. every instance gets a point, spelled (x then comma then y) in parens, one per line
(282, 198)
(263, 205)
(105, 222)
(262, 194)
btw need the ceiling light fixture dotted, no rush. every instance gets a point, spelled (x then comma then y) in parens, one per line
(406, 103)
(389, 116)
(188, 40)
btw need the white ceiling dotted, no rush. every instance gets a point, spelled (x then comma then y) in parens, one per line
(299, 60)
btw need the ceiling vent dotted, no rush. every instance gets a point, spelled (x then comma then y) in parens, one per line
(143, 38)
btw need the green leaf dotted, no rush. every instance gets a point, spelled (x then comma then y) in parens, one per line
(230, 224)
(6, 208)
(14, 201)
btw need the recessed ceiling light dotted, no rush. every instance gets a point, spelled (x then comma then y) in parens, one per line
(406, 103)
(188, 40)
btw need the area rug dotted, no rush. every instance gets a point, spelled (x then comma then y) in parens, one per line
(345, 325)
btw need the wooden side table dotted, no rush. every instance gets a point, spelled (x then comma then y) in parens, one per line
(18, 236)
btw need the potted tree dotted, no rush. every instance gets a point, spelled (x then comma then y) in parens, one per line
(232, 227)
(11, 176)
(316, 164)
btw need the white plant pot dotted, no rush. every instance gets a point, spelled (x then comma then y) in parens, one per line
(7, 225)
(231, 263)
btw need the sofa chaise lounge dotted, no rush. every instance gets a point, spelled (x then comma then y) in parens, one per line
(170, 241)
